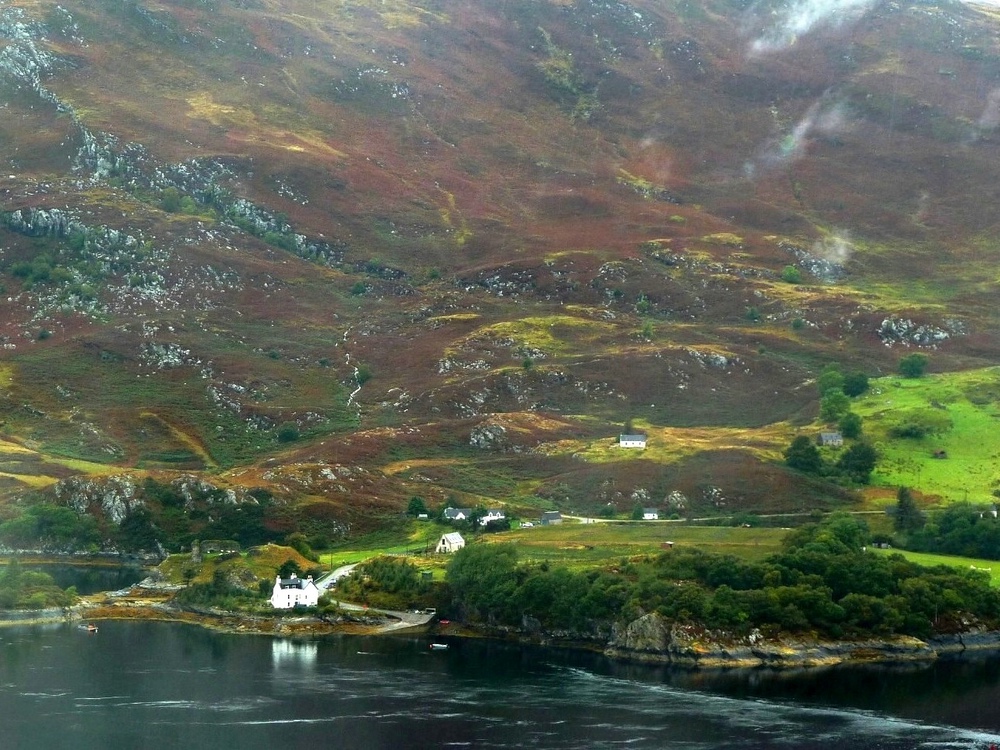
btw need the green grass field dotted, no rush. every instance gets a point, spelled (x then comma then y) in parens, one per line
(575, 545)
(586, 545)
(411, 540)
(966, 467)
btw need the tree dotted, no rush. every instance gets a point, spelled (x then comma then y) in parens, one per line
(416, 506)
(908, 515)
(637, 512)
(287, 569)
(855, 383)
(913, 365)
(858, 462)
(802, 455)
(298, 542)
(850, 425)
(483, 578)
(833, 406)
(831, 379)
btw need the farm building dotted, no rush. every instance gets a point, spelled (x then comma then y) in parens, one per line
(632, 441)
(450, 543)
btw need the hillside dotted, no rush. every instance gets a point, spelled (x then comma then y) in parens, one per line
(344, 253)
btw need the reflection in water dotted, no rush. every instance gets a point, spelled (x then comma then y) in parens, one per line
(90, 579)
(300, 654)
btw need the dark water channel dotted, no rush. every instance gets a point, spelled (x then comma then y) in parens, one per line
(89, 579)
(164, 685)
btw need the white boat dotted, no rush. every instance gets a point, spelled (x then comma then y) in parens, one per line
(439, 647)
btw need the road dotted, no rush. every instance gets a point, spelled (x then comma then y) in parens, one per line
(403, 619)
(327, 580)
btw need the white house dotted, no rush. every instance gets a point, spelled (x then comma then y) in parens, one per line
(650, 514)
(831, 438)
(294, 592)
(632, 441)
(457, 514)
(450, 543)
(492, 515)
(551, 517)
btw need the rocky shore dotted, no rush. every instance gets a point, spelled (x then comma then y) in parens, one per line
(654, 639)
(650, 639)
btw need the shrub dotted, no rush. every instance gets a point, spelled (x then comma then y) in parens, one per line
(791, 275)
(855, 383)
(913, 365)
(288, 432)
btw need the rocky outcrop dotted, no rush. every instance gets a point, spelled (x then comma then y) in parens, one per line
(113, 498)
(654, 639)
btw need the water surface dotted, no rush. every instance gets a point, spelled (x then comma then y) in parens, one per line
(163, 685)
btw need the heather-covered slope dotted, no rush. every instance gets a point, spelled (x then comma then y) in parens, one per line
(271, 240)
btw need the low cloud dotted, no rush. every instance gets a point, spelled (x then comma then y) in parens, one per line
(990, 118)
(825, 117)
(783, 28)
(835, 249)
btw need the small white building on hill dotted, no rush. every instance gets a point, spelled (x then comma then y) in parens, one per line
(294, 592)
(632, 441)
(450, 543)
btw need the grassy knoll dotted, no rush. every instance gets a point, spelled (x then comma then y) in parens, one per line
(262, 561)
(961, 410)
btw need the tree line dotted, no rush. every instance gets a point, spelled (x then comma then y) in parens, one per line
(824, 580)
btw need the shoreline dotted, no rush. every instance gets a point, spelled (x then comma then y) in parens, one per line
(676, 645)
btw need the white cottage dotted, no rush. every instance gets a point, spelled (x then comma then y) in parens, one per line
(494, 514)
(294, 592)
(632, 441)
(450, 543)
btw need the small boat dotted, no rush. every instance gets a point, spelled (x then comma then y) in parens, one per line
(90, 628)
(439, 647)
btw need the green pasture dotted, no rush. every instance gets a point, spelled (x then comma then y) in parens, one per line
(575, 545)
(955, 461)
(963, 563)
(412, 539)
(583, 545)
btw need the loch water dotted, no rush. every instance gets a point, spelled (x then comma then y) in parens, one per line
(168, 685)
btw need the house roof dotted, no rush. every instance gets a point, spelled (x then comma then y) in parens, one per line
(294, 582)
(456, 512)
(453, 538)
(650, 510)
(631, 437)
(552, 514)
